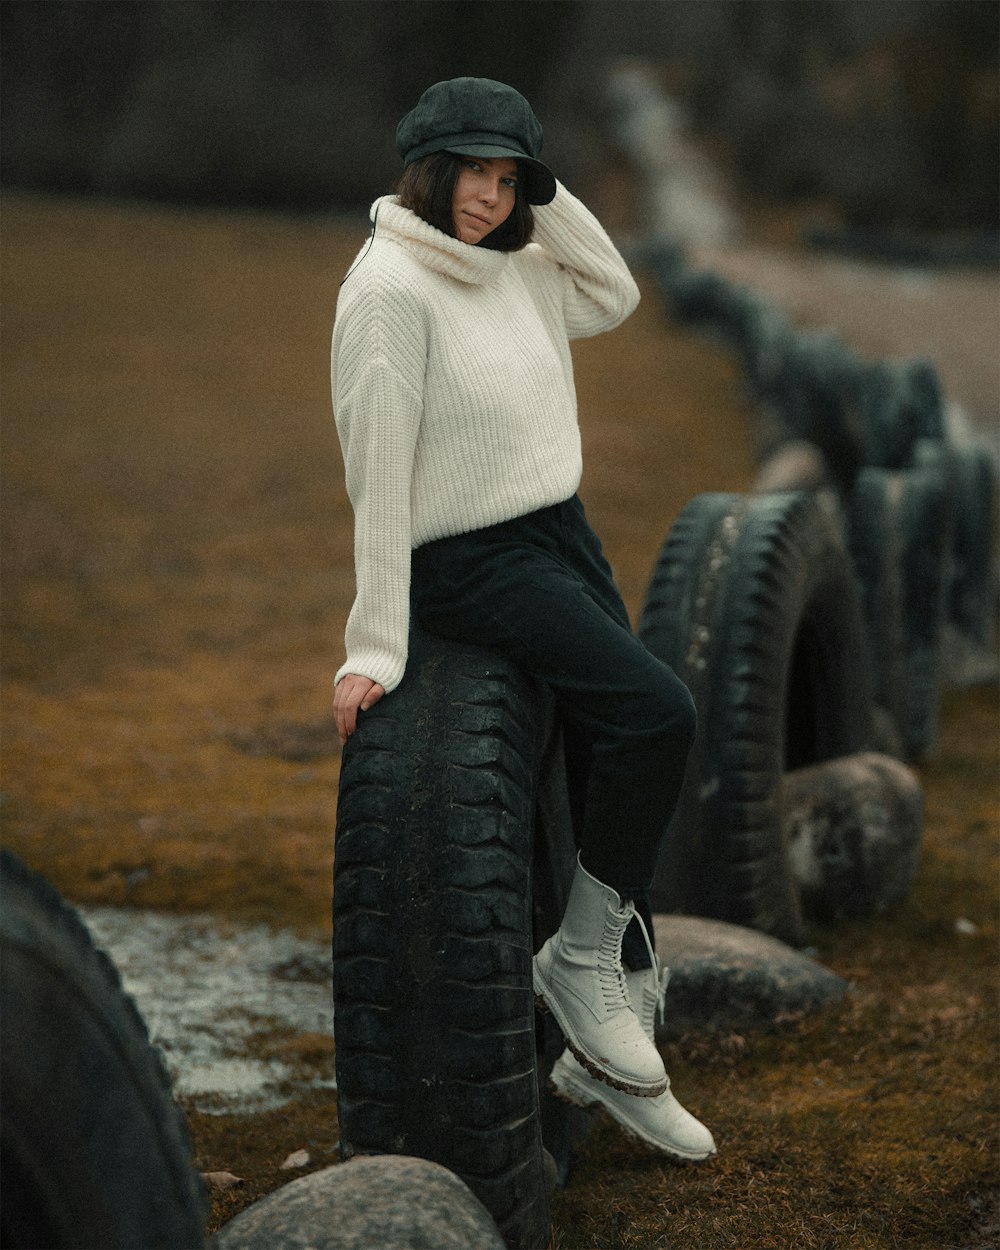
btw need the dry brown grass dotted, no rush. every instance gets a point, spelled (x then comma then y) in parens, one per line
(177, 576)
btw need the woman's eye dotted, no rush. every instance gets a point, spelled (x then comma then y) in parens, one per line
(510, 182)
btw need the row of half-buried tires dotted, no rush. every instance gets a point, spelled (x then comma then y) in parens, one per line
(917, 493)
(454, 845)
(922, 539)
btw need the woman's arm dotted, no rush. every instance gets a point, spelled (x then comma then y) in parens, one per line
(379, 421)
(378, 402)
(599, 291)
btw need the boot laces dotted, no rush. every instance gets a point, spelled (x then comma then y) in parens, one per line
(609, 960)
(609, 957)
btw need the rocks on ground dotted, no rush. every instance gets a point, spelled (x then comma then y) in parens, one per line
(853, 827)
(728, 979)
(393, 1202)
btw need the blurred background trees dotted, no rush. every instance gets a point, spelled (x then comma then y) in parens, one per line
(888, 111)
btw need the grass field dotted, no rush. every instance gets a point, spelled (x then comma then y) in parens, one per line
(177, 574)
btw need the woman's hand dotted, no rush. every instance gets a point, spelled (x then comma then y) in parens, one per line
(352, 694)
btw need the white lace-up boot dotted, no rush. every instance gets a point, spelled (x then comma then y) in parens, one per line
(659, 1122)
(578, 975)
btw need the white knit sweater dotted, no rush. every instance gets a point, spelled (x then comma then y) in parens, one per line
(453, 393)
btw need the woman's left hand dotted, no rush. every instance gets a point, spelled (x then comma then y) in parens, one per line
(353, 694)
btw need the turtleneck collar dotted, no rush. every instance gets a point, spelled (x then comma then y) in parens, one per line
(434, 248)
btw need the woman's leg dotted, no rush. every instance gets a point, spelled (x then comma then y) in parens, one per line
(539, 590)
(583, 550)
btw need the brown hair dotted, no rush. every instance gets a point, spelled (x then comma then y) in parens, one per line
(428, 186)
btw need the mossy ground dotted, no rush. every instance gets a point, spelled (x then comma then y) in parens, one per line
(177, 550)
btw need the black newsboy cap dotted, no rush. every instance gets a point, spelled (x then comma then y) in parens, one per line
(478, 117)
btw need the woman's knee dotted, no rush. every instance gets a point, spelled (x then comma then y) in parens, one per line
(670, 712)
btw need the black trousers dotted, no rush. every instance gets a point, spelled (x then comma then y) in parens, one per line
(539, 589)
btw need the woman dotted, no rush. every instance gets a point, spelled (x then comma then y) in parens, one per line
(456, 409)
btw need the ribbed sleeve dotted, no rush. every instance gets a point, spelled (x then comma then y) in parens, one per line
(598, 290)
(378, 400)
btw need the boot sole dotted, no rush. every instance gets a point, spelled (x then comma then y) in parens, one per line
(570, 1091)
(599, 1073)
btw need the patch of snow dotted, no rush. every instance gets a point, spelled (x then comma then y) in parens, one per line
(206, 991)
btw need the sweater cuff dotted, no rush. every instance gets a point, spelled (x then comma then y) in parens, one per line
(377, 666)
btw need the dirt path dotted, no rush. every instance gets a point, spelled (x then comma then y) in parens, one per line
(950, 317)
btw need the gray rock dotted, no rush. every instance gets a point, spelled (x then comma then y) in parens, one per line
(379, 1202)
(853, 827)
(727, 979)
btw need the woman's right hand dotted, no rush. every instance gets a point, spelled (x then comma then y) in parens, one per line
(353, 694)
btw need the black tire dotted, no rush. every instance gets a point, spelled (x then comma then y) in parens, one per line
(94, 1153)
(901, 404)
(817, 391)
(433, 930)
(753, 603)
(875, 542)
(706, 299)
(900, 532)
(972, 602)
(927, 523)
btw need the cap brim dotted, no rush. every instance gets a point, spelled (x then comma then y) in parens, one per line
(540, 181)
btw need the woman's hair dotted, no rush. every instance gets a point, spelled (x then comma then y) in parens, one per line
(427, 188)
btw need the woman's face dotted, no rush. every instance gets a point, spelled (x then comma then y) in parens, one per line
(484, 196)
